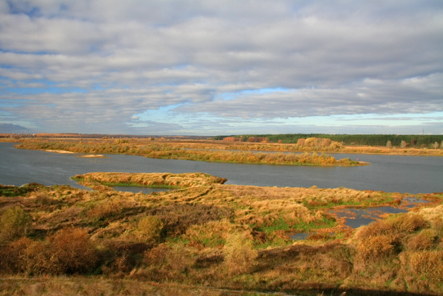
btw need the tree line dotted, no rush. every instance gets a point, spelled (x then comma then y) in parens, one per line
(370, 140)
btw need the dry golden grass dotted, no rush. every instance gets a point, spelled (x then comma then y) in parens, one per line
(230, 236)
(240, 257)
(392, 151)
(150, 229)
(151, 179)
(213, 152)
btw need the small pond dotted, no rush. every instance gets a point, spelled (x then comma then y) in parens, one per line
(361, 217)
(356, 217)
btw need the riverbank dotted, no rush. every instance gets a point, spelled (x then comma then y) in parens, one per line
(221, 236)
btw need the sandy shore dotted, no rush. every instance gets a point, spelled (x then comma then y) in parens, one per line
(60, 151)
(92, 156)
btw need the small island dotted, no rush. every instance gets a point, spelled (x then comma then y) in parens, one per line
(211, 151)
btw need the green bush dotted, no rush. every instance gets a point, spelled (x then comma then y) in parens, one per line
(240, 257)
(14, 223)
(150, 229)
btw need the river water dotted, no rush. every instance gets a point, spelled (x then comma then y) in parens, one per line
(405, 174)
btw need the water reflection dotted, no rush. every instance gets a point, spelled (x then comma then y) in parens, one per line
(300, 236)
(360, 217)
(357, 217)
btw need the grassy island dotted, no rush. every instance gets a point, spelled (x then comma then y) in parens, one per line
(185, 151)
(210, 238)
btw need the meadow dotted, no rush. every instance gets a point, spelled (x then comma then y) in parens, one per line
(204, 237)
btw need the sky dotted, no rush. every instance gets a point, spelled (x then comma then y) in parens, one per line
(221, 67)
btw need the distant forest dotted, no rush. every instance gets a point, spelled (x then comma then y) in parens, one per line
(371, 140)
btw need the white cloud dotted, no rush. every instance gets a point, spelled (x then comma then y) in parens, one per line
(345, 57)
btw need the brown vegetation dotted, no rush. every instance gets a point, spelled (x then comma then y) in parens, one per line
(195, 151)
(224, 236)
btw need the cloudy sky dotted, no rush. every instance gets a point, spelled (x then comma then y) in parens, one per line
(199, 67)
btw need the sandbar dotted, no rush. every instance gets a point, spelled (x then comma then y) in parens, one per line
(60, 151)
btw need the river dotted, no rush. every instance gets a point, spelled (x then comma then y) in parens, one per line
(390, 173)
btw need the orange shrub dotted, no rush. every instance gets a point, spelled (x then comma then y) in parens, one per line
(11, 256)
(70, 251)
(424, 240)
(167, 262)
(36, 258)
(424, 265)
(408, 223)
(375, 247)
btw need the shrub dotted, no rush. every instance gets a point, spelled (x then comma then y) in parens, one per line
(167, 262)
(424, 264)
(157, 255)
(35, 259)
(240, 257)
(422, 241)
(150, 229)
(408, 223)
(211, 234)
(70, 251)
(335, 145)
(398, 227)
(437, 225)
(106, 209)
(11, 256)
(14, 223)
(375, 247)
(326, 142)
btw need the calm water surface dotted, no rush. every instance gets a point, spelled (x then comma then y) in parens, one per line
(388, 173)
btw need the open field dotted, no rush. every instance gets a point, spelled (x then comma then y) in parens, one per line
(209, 236)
